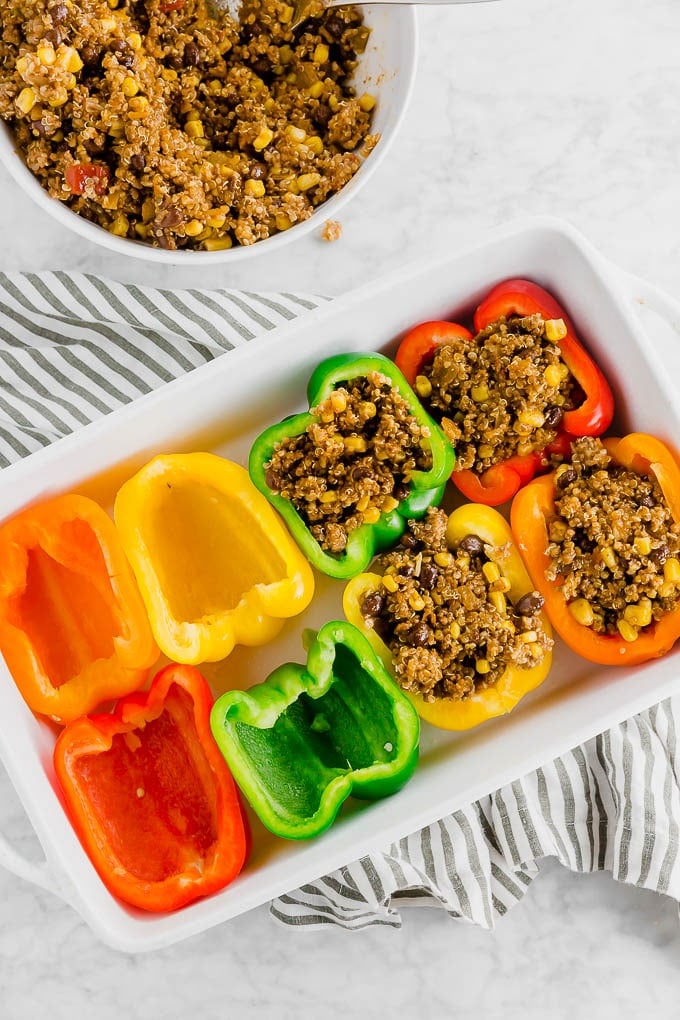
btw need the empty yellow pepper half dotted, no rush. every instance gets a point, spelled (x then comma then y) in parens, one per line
(214, 563)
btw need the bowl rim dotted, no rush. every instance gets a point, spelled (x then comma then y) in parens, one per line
(404, 17)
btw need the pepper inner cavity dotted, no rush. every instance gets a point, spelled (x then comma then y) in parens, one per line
(614, 545)
(447, 615)
(501, 393)
(353, 462)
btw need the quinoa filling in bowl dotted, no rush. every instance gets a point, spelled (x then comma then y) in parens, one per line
(166, 122)
(614, 544)
(446, 615)
(501, 393)
(354, 463)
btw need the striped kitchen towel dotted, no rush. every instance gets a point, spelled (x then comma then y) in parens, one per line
(74, 347)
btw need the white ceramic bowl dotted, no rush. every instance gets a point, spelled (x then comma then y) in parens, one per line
(386, 69)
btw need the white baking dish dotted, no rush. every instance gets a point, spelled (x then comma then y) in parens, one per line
(221, 407)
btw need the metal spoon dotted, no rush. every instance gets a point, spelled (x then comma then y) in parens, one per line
(304, 8)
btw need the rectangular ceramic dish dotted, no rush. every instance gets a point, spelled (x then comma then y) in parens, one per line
(221, 407)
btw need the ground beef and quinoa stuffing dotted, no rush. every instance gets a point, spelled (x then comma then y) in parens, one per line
(501, 393)
(354, 462)
(614, 545)
(446, 616)
(166, 122)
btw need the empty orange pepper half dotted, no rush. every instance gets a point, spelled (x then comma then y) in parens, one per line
(73, 628)
(214, 563)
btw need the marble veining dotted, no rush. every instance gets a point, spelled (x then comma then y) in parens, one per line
(521, 107)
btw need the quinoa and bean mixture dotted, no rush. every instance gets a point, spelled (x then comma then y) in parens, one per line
(614, 544)
(167, 122)
(504, 392)
(354, 462)
(446, 615)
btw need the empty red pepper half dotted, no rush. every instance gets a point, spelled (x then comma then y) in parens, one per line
(151, 797)
(499, 483)
(73, 627)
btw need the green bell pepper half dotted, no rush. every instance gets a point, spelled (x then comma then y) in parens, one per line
(299, 743)
(426, 487)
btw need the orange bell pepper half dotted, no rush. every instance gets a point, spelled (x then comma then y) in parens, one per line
(73, 628)
(151, 797)
(533, 508)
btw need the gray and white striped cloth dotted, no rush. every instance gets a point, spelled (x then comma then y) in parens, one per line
(74, 347)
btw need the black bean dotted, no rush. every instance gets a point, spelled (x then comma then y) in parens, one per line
(660, 555)
(118, 46)
(407, 570)
(472, 544)
(92, 148)
(647, 501)
(373, 604)
(273, 479)
(401, 492)
(553, 417)
(59, 13)
(566, 478)
(419, 635)
(137, 162)
(192, 55)
(126, 60)
(322, 115)
(334, 26)
(529, 604)
(428, 576)
(408, 540)
(90, 56)
(54, 36)
(261, 66)
(174, 61)
(258, 172)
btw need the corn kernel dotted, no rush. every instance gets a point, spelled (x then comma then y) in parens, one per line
(443, 559)
(254, 188)
(216, 219)
(627, 632)
(120, 226)
(367, 102)
(142, 230)
(423, 386)
(217, 243)
(129, 87)
(168, 74)
(194, 128)
(315, 91)
(536, 651)
(215, 86)
(555, 329)
(46, 55)
(321, 53)
(454, 630)
(528, 637)
(483, 666)
(263, 139)
(22, 65)
(296, 133)
(479, 394)
(138, 107)
(148, 210)
(553, 375)
(389, 504)
(389, 583)
(362, 503)
(534, 419)
(639, 615)
(667, 590)
(582, 611)
(608, 557)
(338, 400)
(193, 228)
(285, 14)
(372, 515)
(315, 144)
(642, 545)
(416, 602)
(484, 451)
(671, 570)
(307, 181)
(108, 24)
(283, 222)
(491, 571)
(497, 599)
(59, 97)
(502, 584)
(334, 103)
(69, 58)
(328, 496)
(26, 99)
(71, 81)
(134, 41)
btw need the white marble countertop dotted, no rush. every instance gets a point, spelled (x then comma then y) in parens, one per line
(520, 107)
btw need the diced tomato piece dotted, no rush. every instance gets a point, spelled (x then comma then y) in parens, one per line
(79, 175)
(171, 5)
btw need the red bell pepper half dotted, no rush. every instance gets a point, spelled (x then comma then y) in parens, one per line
(151, 797)
(499, 483)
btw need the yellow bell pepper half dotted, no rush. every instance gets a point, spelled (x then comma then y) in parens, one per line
(486, 702)
(214, 563)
